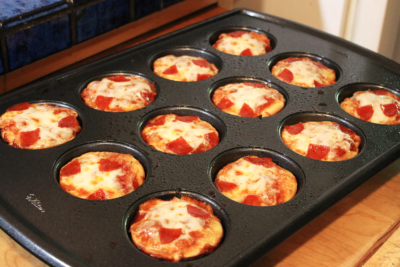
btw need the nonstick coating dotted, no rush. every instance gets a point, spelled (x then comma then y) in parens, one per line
(67, 231)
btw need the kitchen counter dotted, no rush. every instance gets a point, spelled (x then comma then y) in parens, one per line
(359, 230)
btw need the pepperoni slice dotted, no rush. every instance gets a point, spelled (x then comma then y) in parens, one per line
(68, 122)
(266, 162)
(157, 122)
(252, 200)
(147, 97)
(294, 129)
(255, 85)
(196, 212)
(119, 78)
(203, 76)
(212, 139)
(340, 152)
(246, 52)
(196, 234)
(292, 59)
(103, 102)
(179, 146)
(260, 108)
(318, 152)
(286, 75)
(317, 84)
(171, 70)
(353, 147)
(186, 118)
(29, 138)
(72, 168)
(389, 109)
(19, 107)
(380, 92)
(200, 62)
(247, 111)
(225, 103)
(346, 130)
(225, 186)
(236, 33)
(107, 165)
(139, 216)
(167, 235)
(268, 48)
(98, 195)
(365, 112)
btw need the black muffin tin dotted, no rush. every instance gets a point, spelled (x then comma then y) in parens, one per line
(64, 230)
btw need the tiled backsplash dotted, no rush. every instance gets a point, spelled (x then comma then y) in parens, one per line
(33, 29)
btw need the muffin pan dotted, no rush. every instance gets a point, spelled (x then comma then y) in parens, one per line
(64, 230)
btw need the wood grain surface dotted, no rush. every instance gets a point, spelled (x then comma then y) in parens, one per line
(360, 230)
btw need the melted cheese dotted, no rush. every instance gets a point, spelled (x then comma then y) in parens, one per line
(124, 93)
(39, 116)
(90, 178)
(236, 45)
(253, 179)
(43, 118)
(173, 214)
(320, 133)
(193, 132)
(197, 235)
(240, 93)
(187, 70)
(305, 72)
(368, 98)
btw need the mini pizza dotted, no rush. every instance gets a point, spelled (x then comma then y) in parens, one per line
(303, 71)
(256, 181)
(119, 93)
(181, 135)
(248, 99)
(184, 68)
(322, 140)
(379, 106)
(102, 175)
(176, 229)
(242, 43)
(38, 126)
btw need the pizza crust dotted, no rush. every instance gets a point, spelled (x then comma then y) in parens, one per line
(181, 135)
(303, 71)
(184, 68)
(126, 94)
(263, 100)
(176, 229)
(322, 140)
(241, 43)
(102, 175)
(378, 106)
(256, 181)
(37, 126)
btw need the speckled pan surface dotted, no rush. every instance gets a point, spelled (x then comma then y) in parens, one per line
(67, 231)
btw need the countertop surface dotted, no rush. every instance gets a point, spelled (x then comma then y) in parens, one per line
(360, 230)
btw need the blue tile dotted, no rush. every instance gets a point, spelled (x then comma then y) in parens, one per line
(101, 18)
(34, 16)
(144, 8)
(42, 40)
(12, 8)
(167, 3)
